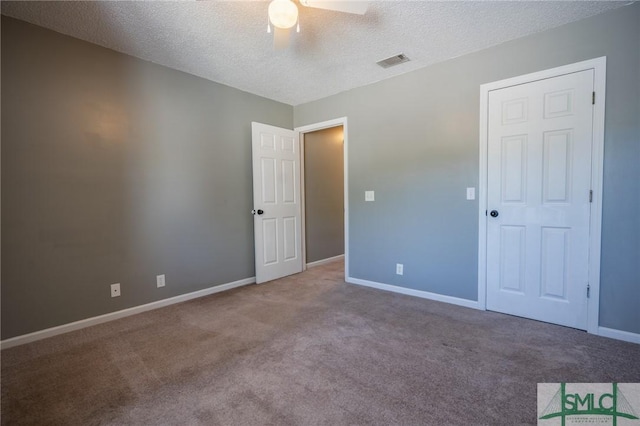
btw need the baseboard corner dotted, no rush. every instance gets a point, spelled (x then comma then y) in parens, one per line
(473, 304)
(613, 333)
(325, 261)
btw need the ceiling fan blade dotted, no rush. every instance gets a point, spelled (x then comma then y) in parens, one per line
(281, 38)
(357, 7)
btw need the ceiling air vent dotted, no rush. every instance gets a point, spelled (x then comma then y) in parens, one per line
(393, 61)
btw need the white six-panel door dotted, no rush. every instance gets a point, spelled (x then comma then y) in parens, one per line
(538, 184)
(276, 202)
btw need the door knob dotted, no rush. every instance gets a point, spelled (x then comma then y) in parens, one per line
(494, 213)
(258, 212)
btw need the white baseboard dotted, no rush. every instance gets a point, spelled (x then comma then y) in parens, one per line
(602, 331)
(417, 293)
(619, 334)
(325, 261)
(77, 325)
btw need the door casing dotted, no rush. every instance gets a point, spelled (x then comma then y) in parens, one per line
(595, 225)
(312, 128)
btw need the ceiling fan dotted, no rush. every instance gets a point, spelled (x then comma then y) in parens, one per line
(283, 15)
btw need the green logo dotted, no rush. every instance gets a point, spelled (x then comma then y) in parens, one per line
(612, 405)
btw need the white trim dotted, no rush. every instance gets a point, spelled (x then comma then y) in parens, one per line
(601, 331)
(599, 66)
(594, 64)
(417, 293)
(303, 204)
(322, 125)
(597, 165)
(342, 121)
(482, 200)
(88, 322)
(619, 334)
(325, 261)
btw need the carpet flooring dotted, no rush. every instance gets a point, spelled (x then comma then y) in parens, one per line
(304, 350)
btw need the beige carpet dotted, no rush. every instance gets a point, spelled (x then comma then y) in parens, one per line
(304, 350)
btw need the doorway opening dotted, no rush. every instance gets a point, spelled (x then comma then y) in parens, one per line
(323, 177)
(323, 148)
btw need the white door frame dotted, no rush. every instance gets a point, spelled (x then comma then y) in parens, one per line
(342, 121)
(599, 66)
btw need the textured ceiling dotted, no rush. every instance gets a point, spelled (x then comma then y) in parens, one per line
(227, 42)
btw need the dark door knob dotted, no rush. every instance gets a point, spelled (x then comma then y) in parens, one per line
(258, 212)
(494, 213)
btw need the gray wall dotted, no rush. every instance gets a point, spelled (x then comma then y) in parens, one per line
(116, 170)
(324, 193)
(414, 140)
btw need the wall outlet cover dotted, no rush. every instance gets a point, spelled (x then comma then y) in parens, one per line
(369, 195)
(115, 290)
(399, 269)
(160, 281)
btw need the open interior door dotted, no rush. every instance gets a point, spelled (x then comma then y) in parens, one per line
(276, 202)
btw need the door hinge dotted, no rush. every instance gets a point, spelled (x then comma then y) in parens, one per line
(588, 291)
(591, 195)
(593, 98)
(485, 212)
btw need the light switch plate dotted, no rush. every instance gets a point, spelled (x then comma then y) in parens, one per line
(369, 196)
(471, 193)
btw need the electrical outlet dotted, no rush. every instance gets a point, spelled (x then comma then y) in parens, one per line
(369, 195)
(399, 269)
(160, 280)
(115, 290)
